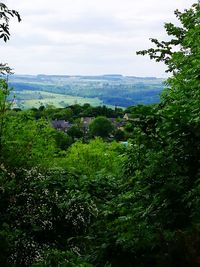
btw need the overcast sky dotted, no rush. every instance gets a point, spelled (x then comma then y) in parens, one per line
(87, 36)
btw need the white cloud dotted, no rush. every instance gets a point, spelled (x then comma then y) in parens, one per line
(87, 36)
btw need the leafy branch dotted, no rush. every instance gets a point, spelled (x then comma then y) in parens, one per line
(5, 14)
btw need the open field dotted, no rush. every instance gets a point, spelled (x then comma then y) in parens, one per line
(29, 99)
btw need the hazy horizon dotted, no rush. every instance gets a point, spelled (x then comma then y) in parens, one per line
(91, 75)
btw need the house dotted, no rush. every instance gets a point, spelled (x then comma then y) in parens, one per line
(85, 122)
(61, 125)
(126, 116)
(118, 124)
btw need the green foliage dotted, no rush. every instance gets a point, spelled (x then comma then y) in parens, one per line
(119, 135)
(62, 114)
(41, 216)
(75, 132)
(57, 258)
(5, 15)
(97, 156)
(162, 164)
(4, 106)
(100, 126)
(63, 140)
(27, 142)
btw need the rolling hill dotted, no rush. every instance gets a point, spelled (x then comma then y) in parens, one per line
(63, 90)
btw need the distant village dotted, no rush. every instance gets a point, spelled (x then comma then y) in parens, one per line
(63, 125)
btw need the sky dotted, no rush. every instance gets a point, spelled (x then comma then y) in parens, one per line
(87, 37)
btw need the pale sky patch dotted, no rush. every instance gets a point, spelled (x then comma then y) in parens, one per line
(87, 37)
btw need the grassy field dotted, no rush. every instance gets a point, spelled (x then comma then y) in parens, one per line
(28, 99)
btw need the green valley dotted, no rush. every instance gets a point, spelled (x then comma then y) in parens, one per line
(62, 90)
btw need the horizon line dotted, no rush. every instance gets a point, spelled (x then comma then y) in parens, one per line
(90, 75)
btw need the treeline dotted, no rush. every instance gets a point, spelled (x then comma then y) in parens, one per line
(76, 111)
(103, 203)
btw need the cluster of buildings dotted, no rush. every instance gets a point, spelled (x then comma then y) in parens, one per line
(64, 126)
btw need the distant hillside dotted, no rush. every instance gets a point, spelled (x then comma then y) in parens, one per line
(63, 90)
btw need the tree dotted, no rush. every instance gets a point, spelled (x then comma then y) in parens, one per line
(94, 157)
(75, 132)
(119, 135)
(4, 106)
(5, 15)
(180, 102)
(154, 220)
(162, 166)
(27, 142)
(100, 126)
(184, 62)
(63, 140)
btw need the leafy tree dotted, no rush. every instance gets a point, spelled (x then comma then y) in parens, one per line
(63, 140)
(5, 15)
(180, 105)
(154, 219)
(75, 132)
(76, 109)
(97, 156)
(104, 111)
(100, 126)
(4, 106)
(162, 164)
(27, 142)
(119, 135)
(64, 114)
